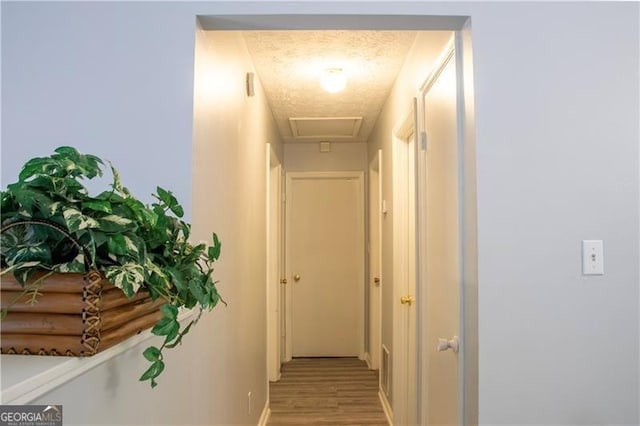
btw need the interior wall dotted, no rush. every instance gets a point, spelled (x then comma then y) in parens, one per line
(557, 150)
(344, 156)
(399, 105)
(229, 197)
(135, 103)
(68, 78)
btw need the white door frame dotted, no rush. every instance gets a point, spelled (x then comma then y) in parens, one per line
(290, 177)
(274, 257)
(271, 18)
(403, 152)
(375, 222)
(421, 226)
(460, 49)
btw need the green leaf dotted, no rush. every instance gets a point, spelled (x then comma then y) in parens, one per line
(152, 353)
(36, 253)
(169, 311)
(117, 244)
(156, 276)
(196, 290)
(98, 206)
(114, 223)
(153, 371)
(162, 326)
(214, 251)
(170, 201)
(214, 297)
(75, 220)
(128, 277)
(179, 339)
(76, 265)
(76, 164)
(177, 278)
(33, 167)
(166, 327)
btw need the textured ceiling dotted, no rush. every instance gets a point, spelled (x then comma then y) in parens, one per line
(289, 63)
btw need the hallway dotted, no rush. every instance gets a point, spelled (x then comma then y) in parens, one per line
(335, 391)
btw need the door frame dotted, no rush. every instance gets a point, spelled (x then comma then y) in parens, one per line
(375, 222)
(351, 175)
(403, 151)
(272, 18)
(459, 48)
(274, 242)
(422, 198)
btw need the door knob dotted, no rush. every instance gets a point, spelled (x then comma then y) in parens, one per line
(296, 277)
(407, 300)
(453, 344)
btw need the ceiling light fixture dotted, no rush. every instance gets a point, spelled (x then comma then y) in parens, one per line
(333, 80)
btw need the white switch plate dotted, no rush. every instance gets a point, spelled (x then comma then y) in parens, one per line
(592, 257)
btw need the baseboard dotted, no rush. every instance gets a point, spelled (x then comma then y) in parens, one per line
(277, 379)
(386, 407)
(264, 417)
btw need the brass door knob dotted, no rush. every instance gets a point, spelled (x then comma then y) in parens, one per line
(296, 277)
(407, 300)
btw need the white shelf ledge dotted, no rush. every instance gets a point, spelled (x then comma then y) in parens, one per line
(24, 378)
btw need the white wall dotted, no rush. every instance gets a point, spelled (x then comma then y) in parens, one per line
(142, 113)
(344, 156)
(557, 161)
(70, 78)
(229, 197)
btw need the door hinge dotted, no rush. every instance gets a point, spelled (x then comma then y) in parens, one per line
(423, 141)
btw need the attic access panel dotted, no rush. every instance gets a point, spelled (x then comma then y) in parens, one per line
(336, 128)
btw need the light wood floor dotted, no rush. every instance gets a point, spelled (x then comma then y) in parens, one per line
(326, 391)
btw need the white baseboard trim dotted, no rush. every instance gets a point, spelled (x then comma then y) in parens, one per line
(386, 407)
(264, 417)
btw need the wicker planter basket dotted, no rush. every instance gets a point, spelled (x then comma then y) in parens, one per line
(74, 315)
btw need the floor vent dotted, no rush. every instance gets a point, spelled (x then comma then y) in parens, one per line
(385, 370)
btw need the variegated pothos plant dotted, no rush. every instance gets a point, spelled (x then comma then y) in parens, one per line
(133, 244)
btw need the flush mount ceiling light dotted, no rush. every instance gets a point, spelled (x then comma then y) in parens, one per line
(333, 80)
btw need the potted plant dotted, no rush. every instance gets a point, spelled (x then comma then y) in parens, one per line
(50, 222)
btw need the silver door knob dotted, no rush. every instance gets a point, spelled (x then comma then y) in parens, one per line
(453, 344)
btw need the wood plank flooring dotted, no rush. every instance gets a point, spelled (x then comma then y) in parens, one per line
(326, 391)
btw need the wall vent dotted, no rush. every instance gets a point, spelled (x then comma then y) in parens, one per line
(385, 370)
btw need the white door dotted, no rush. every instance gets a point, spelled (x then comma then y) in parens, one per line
(439, 272)
(325, 263)
(375, 259)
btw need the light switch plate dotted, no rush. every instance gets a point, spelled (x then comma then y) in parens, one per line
(592, 257)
